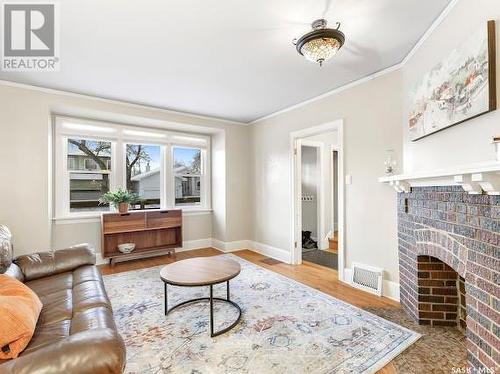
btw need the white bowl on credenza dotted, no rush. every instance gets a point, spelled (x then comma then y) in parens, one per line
(126, 247)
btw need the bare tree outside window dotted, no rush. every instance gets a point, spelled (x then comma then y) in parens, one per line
(89, 167)
(143, 174)
(87, 155)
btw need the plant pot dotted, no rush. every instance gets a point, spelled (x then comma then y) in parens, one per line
(123, 208)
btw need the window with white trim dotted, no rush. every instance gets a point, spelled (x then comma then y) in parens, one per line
(166, 169)
(143, 174)
(87, 184)
(188, 174)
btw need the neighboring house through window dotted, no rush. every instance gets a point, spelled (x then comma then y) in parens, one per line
(188, 174)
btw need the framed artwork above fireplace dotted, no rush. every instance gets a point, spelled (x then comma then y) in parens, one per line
(460, 87)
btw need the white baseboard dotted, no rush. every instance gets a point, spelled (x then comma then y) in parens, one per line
(324, 244)
(347, 276)
(227, 247)
(263, 249)
(231, 246)
(188, 245)
(273, 252)
(99, 260)
(390, 289)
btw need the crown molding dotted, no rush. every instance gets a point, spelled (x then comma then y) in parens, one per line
(130, 104)
(380, 73)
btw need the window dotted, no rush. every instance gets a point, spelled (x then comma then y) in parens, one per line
(188, 174)
(143, 174)
(87, 184)
(166, 169)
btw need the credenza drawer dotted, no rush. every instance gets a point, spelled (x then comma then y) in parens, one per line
(113, 223)
(164, 218)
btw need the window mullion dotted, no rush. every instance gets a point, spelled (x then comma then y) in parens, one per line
(169, 177)
(163, 180)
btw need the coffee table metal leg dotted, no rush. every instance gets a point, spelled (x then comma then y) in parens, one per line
(166, 299)
(211, 301)
(211, 310)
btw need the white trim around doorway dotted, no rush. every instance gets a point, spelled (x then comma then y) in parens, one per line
(296, 141)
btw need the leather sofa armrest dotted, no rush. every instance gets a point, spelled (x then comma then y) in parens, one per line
(86, 352)
(15, 272)
(38, 265)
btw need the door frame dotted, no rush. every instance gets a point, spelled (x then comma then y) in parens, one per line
(296, 141)
(334, 148)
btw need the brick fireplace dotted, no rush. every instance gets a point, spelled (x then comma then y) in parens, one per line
(449, 262)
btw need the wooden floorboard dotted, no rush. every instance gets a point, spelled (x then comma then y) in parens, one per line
(321, 278)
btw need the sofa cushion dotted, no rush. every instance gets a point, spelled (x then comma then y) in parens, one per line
(19, 311)
(86, 352)
(73, 302)
(43, 264)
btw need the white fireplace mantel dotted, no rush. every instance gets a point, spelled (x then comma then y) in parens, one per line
(474, 179)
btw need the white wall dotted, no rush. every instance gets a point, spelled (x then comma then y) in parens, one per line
(372, 120)
(468, 142)
(25, 151)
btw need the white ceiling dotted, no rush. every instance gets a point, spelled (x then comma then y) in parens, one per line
(231, 59)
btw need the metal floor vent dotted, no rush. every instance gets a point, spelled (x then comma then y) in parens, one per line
(367, 278)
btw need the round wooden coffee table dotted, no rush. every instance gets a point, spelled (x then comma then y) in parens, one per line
(202, 271)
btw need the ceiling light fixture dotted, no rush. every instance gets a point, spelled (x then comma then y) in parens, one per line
(322, 43)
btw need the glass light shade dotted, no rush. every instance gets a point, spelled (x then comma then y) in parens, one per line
(321, 49)
(390, 162)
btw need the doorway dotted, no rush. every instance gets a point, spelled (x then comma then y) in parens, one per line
(318, 214)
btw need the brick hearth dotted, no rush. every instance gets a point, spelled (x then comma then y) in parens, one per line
(449, 256)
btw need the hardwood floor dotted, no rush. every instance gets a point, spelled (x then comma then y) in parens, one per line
(316, 276)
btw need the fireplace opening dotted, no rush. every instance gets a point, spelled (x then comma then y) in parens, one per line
(441, 294)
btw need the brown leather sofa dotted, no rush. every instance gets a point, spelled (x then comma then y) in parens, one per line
(75, 333)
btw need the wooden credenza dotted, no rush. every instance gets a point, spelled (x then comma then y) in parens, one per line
(154, 233)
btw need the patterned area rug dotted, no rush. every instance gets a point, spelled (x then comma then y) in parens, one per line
(286, 327)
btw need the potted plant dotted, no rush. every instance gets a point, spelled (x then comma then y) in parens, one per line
(121, 199)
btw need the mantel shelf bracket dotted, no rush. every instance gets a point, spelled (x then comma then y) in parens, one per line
(490, 183)
(401, 186)
(470, 186)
